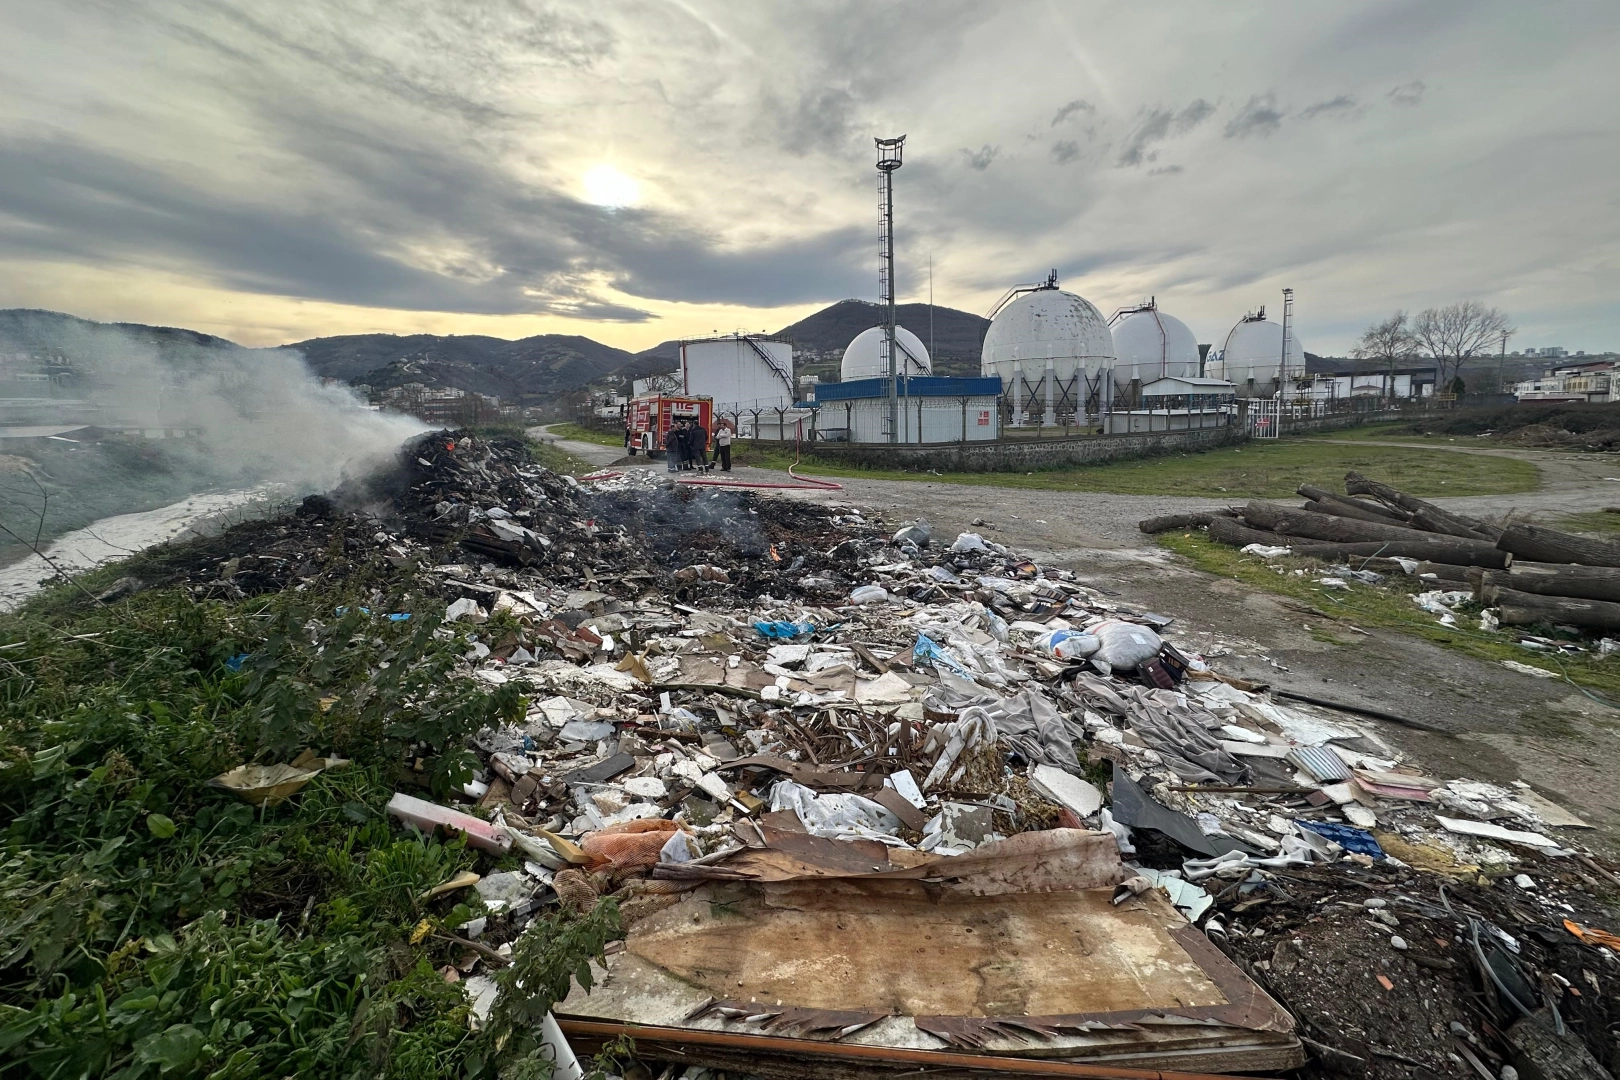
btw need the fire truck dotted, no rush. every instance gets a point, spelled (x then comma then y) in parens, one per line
(647, 419)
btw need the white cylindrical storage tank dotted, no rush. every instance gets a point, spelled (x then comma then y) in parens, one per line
(1047, 325)
(1251, 357)
(863, 357)
(1149, 345)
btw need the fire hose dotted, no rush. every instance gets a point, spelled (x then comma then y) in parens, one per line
(805, 483)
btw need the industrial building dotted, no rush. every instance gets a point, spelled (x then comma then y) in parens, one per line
(1052, 350)
(1593, 381)
(931, 410)
(1402, 383)
(743, 373)
(1149, 346)
(1259, 357)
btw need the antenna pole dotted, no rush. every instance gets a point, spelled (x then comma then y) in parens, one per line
(1288, 327)
(889, 151)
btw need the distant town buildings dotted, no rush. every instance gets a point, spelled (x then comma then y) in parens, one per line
(1593, 380)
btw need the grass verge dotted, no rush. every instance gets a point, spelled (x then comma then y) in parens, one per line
(581, 433)
(1388, 606)
(1260, 469)
(1600, 522)
(153, 924)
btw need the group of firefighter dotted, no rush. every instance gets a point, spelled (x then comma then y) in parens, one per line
(686, 445)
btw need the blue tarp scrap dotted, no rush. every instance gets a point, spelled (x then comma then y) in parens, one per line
(235, 663)
(926, 651)
(1352, 839)
(784, 631)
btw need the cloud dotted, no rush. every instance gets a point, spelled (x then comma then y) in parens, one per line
(1166, 170)
(1078, 105)
(981, 158)
(1338, 106)
(1065, 151)
(1259, 116)
(1156, 126)
(1408, 94)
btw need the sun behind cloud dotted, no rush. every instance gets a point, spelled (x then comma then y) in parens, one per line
(606, 186)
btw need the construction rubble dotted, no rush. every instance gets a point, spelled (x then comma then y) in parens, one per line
(873, 801)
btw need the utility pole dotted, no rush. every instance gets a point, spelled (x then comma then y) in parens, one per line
(1501, 359)
(889, 151)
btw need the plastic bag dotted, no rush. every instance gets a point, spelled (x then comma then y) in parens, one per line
(784, 631)
(966, 542)
(869, 594)
(1068, 644)
(1123, 644)
(916, 534)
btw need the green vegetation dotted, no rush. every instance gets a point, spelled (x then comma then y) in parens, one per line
(1388, 606)
(1541, 425)
(1601, 522)
(1258, 469)
(581, 433)
(151, 924)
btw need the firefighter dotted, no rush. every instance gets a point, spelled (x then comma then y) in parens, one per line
(700, 445)
(673, 446)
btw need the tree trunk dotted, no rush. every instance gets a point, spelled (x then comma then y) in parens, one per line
(1385, 513)
(1550, 579)
(1337, 530)
(1446, 550)
(1167, 522)
(1522, 609)
(1350, 508)
(1230, 531)
(1540, 544)
(1356, 484)
(1443, 572)
(1438, 521)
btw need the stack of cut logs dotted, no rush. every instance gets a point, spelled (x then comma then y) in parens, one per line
(1531, 573)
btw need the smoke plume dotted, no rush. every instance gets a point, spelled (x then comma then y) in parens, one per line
(169, 413)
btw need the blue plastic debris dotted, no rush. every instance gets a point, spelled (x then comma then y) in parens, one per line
(927, 652)
(784, 631)
(235, 663)
(399, 616)
(1358, 841)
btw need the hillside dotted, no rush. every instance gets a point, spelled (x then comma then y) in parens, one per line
(532, 367)
(957, 335)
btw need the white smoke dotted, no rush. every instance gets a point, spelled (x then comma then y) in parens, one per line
(231, 414)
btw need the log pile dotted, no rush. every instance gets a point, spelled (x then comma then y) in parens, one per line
(1531, 573)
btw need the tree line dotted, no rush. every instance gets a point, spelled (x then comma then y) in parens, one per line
(1449, 336)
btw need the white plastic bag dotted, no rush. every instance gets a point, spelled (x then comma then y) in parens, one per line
(1125, 645)
(1068, 644)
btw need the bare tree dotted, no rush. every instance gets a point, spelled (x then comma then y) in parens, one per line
(1456, 333)
(1389, 341)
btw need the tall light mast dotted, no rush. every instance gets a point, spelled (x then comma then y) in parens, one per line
(888, 151)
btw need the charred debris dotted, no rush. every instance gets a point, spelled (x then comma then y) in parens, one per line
(872, 801)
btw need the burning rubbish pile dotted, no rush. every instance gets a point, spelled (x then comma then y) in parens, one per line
(874, 801)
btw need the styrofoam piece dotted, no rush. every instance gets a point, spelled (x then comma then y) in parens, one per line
(1067, 790)
(429, 816)
(1487, 831)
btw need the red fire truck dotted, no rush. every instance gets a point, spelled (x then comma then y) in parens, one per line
(647, 419)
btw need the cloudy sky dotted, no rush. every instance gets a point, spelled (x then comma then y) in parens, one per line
(644, 170)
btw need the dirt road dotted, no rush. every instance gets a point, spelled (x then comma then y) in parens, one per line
(1501, 725)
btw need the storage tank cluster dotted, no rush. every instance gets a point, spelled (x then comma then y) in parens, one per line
(1055, 351)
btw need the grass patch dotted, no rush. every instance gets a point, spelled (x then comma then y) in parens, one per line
(1260, 469)
(581, 433)
(1599, 521)
(1389, 607)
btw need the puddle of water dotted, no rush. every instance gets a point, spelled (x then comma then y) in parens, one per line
(122, 536)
